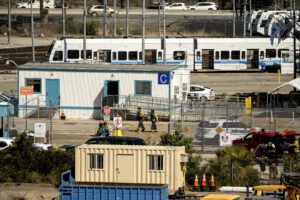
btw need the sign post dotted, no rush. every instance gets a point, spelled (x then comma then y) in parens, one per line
(106, 111)
(26, 90)
(39, 130)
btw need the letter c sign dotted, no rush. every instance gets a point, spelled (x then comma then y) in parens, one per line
(163, 78)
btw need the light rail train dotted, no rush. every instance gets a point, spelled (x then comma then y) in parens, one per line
(197, 53)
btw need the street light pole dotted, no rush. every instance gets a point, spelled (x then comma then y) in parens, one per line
(233, 20)
(9, 23)
(127, 18)
(104, 19)
(63, 18)
(115, 18)
(84, 30)
(164, 28)
(143, 34)
(32, 33)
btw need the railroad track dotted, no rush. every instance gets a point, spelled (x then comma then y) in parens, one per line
(21, 55)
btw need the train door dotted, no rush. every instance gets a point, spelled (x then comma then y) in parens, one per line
(103, 56)
(207, 59)
(252, 58)
(150, 56)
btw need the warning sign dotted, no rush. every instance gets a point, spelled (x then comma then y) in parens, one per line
(26, 90)
(118, 122)
(106, 110)
(219, 129)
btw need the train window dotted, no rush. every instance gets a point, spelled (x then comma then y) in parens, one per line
(178, 55)
(58, 56)
(95, 55)
(235, 55)
(140, 55)
(280, 51)
(224, 55)
(262, 54)
(73, 54)
(132, 55)
(114, 55)
(270, 53)
(243, 55)
(159, 55)
(88, 54)
(122, 55)
(198, 55)
(217, 55)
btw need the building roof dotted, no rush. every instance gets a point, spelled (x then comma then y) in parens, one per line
(140, 147)
(98, 67)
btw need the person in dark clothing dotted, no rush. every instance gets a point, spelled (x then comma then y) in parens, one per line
(140, 118)
(106, 129)
(99, 129)
(154, 119)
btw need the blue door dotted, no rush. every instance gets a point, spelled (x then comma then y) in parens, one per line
(52, 92)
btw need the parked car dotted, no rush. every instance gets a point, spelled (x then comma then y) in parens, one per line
(252, 140)
(202, 93)
(204, 6)
(98, 10)
(109, 140)
(42, 146)
(176, 6)
(5, 143)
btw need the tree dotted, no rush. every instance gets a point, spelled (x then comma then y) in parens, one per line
(178, 139)
(233, 166)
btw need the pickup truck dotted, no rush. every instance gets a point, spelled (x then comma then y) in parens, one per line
(36, 4)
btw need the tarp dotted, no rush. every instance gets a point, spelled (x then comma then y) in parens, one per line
(294, 83)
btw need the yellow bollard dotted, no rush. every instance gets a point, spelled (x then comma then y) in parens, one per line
(278, 75)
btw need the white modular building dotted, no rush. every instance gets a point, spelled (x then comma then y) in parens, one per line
(82, 90)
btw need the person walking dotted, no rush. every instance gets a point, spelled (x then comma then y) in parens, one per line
(140, 118)
(154, 119)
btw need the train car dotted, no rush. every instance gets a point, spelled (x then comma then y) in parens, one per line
(196, 53)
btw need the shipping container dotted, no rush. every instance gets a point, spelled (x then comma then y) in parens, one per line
(71, 190)
(131, 164)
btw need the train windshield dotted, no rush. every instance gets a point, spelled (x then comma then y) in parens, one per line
(50, 50)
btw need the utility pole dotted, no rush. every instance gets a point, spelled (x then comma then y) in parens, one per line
(32, 33)
(233, 19)
(127, 18)
(164, 28)
(84, 30)
(63, 18)
(250, 21)
(104, 18)
(143, 33)
(295, 64)
(245, 3)
(115, 18)
(9, 24)
(159, 18)
(275, 5)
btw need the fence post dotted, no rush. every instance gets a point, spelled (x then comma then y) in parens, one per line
(203, 129)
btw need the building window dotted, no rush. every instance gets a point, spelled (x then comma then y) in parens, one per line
(58, 56)
(243, 55)
(235, 55)
(224, 55)
(270, 53)
(176, 89)
(96, 161)
(159, 55)
(36, 83)
(184, 87)
(73, 54)
(217, 55)
(132, 55)
(122, 55)
(198, 55)
(88, 54)
(143, 88)
(114, 55)
(156, 162)
(179, 55)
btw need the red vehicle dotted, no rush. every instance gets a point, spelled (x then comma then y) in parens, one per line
(252, 140)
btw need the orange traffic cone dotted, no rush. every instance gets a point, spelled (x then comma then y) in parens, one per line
(212, 187)
(63, 116)
(196, 184)
(203, 184)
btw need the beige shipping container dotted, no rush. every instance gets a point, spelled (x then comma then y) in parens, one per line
(131, 164)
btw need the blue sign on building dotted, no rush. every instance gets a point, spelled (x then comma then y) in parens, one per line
(163, 78)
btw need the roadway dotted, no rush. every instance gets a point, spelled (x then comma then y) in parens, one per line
(135, 11)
